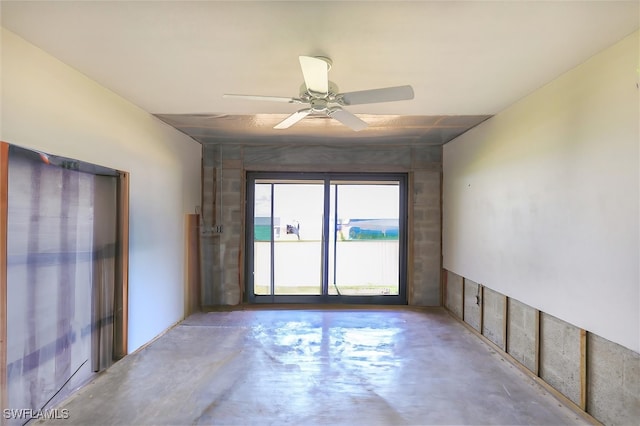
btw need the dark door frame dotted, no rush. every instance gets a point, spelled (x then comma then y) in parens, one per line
(399, 299)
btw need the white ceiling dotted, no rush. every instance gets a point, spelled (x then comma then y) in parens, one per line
(470, 58)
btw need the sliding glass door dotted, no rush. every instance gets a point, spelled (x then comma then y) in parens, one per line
(337, 238)
(287, 243)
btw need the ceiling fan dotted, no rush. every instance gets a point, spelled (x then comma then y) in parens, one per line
(320, 93)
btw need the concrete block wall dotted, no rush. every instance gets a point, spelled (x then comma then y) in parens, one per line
(224, 172)
(221, 224)
(613, 393)
(472, 313)
(522, 331)
(426, 236)
(454, 291)
(596, 375)
(208, 219)
(560, 356)
(493, 320)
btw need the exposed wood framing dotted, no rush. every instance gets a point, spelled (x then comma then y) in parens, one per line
(536, 365)
(580, 407)
(121, 343)
(481, 302)
(463, 286)
(505, 325)
(556, 393)
(410, 237)
(4, 206)
(583, 369)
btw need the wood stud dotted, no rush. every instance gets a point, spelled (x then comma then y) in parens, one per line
(121, 344)
(583, 369)
(536, 365)
(480, 295)
(462, 292)
(4, 206)
(505, 325)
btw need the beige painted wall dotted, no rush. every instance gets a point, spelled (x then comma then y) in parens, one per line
(49, 106)
(541, 202)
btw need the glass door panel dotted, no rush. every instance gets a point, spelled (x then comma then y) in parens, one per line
(365, 249)
(297, 255)
(323, 237)
(264, 226)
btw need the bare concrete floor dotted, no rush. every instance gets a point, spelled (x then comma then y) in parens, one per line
(316, 367)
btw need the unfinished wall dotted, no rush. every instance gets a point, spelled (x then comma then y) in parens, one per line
(48, 106)
(222, 206)
(493, 316)
(472, 304)
(224, 168)
(541, 202)
(455, 293)
(598, 376)
(426, 232)
(560, 356)
(522, 334)
(613, 392)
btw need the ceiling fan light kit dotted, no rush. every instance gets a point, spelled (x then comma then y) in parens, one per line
(319, 93)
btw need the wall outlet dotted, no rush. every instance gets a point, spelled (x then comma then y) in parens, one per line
(208, 231)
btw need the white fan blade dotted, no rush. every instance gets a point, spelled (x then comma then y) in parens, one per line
(262, 98)
(348, 119)
(293, 119)
(316, 74)
(387, 94)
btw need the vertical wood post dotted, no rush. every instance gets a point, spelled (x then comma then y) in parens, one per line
(505, 324)
(464, 280)
(122, 268)
(4, 211)
(583, 369)
(481, 301)
(536, 367)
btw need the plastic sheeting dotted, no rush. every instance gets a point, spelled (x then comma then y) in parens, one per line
(60, 278)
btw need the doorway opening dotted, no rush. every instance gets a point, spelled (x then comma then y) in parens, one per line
(63, 274)
(326, 238)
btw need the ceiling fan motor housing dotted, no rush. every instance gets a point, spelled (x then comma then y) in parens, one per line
(318, 105)
(307, 95)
